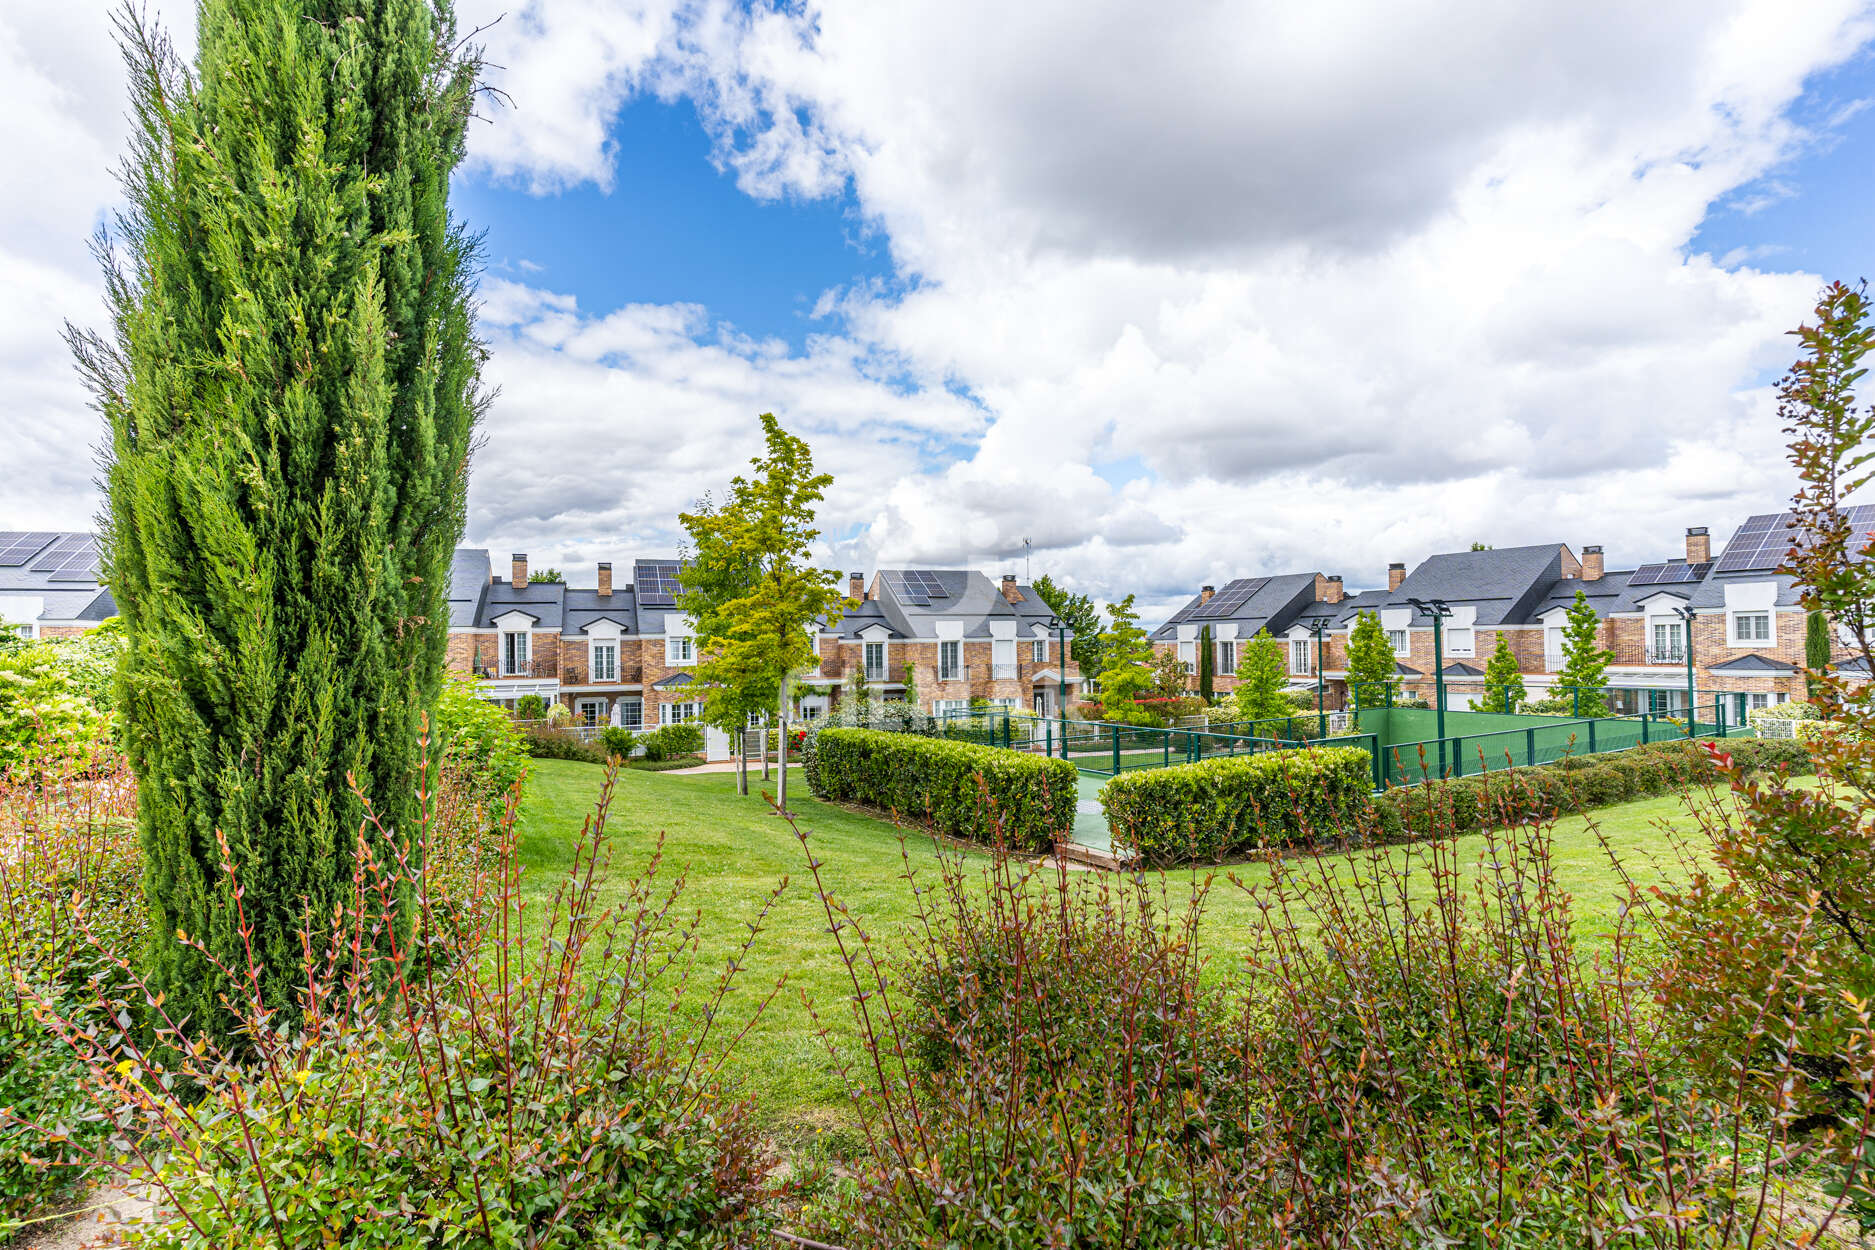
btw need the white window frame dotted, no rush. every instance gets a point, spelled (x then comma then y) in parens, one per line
(1038, 651)
(1467, 648)
(679, 650)
(1733, 620)
(950, 660)
(516, 643)
(668, 713)
(597, 707)
(631, 713)
(873, 672)
(944, 707)
(1002, 658)
(1227, 657)
(595, 650)
(1188, 655)
(1299, 658)
(1401, 640)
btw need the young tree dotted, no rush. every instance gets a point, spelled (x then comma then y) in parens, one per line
(1503, 681)
(1262, 678)
(1585, 660)
(1371, 666)
(1816, 647)
(749, 591)
(1780, 927)
(1082, 619)
(290, 391)
(1206, 663)
(1126, 654)
(545, 577)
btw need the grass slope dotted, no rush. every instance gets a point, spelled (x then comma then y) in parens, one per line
(735, 853)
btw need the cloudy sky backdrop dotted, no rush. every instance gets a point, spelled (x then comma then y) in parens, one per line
(1179, 292)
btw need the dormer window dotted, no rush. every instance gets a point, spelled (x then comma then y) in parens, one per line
(679, 650)
(514, 653)
(1750, 628)
(1397, 639)
(605, 661)
(1460, 642)
(875, 661)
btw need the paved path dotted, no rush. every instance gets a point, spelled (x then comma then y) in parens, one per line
(1090, 822)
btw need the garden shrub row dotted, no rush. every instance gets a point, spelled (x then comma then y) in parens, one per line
(1223, 807)
(1031, 797)
(1514, 796)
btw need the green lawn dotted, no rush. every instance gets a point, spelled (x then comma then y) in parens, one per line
(735, 853)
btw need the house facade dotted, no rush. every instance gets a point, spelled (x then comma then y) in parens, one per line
(623, 653)
(1745, 633)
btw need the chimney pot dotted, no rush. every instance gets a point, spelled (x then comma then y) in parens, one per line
(856, 585)
(1592, 565)
(605, 579)
(1396, 575)
(1205, 593)
(1698, 545)
(517, 572)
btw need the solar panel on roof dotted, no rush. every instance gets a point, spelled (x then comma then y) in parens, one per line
(80, 566)
(24, 547)
(1671, 573)
(1762, 542)
(656, 582)
(907, 590)
(1228, 600)
(61, 551)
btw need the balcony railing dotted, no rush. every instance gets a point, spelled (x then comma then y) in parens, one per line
(1002, 672)
(1553, 661)
(1674, 653)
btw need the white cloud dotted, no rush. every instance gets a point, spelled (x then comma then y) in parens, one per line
(1194, 291)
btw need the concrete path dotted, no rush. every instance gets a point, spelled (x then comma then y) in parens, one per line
(1090, 822)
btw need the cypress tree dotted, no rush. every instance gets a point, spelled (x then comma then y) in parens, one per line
(1585, 660)
(1816, 647)
(290, 389)
(1206, 650)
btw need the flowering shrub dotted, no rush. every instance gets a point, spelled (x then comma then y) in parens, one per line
(1207, 811)
(480, 1083)
(969, 791)
(55, 697)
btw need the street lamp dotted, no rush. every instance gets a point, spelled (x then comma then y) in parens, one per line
(1438, 610)
(1319, 628)
(1687, 614)
(1061, 680)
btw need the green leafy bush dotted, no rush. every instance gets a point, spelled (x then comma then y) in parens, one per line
(479, 742)
(530, 707)
(1223, 807)
(555, 744)
(668, 742)
(618, 742)
(1029, 799)
(55, 698)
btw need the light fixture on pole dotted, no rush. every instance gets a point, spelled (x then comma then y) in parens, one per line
(1686, 614)
(1319, 628)
(1438, 610)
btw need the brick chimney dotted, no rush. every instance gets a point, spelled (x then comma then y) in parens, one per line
(1592, 564)
(1396, 575)
(1333, 592)
(517, 575)
(605, 579)
(1205, 593)
(1698, 545)
(1009, 588)
(856, 586)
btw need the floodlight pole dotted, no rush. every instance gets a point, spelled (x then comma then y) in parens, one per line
(1061, 680)
(1438, 610)
(1687, 614)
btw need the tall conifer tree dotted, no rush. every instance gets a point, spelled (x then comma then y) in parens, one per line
(1585, 661)
(290, 390)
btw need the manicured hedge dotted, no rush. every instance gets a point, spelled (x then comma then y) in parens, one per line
(1580, 783)
(1032, 796)
(1208, 811)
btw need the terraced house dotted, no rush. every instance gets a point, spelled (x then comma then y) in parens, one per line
(625, 655)
(949, 638)
(1738, 619)
(49, 583)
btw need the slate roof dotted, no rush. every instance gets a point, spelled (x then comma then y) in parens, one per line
(1607, 594)
(1273, 605)
(1749, 537)
(1458, 668)
(53, 571)
(961, 593)
(469, 571)
(1340, 615)
(1752, 664)
(1504, 584)
(864, 615)
(673, 682)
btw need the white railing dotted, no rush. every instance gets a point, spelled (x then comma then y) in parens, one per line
(1553, 661)
(1002, 672)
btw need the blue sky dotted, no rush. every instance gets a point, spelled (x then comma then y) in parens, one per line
(675, 229)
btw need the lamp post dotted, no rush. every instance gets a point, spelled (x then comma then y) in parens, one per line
(1319, 628)
(1061, 680)
(1438, 610)
(1687, 614)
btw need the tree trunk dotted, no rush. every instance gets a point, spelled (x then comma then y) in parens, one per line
(764, 750)
(742, 762)
(781, 755)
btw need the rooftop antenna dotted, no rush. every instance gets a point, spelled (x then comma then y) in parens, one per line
(1025, 562)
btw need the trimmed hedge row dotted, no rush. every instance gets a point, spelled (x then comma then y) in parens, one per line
(1217, 808)
(1031, 796)
(1515, 796)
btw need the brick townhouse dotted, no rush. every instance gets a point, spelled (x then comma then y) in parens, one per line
(624, 655)
(1293, 607)
(952, 636)
(49, 584)
(1747, 627)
